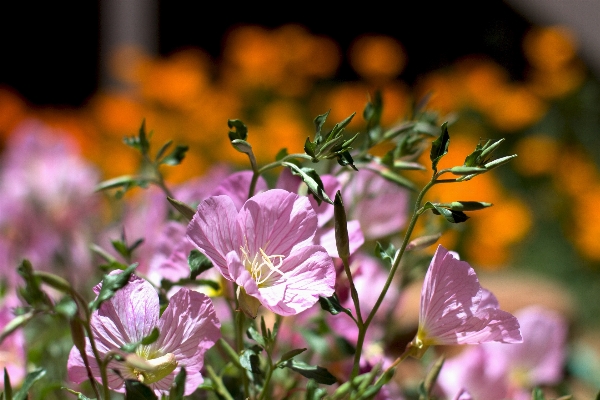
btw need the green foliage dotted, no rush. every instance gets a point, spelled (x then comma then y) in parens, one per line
(319, 374)
(430, 379)
(178, 387)
(198, 263)
(332, 305)
(312, 180)
(439, 147)
(332, 144)
(110, 285)
(135, 390)
(239, 130)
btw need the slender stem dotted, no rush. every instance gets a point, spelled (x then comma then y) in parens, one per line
(400, 252)
(395, 265)
(265, 389)
(218, 382)
(359, 318)
(286, 158)
(239, 343)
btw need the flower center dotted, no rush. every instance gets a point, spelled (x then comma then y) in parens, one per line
(159, 368)
(262, 267)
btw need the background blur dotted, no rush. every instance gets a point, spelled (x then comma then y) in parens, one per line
(96, 69)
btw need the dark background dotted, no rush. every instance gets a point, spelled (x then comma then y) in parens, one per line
(49, 51)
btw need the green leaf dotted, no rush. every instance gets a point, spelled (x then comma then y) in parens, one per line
(30, 379)
(439, 147)
(345, 159)
(374, 389)
(80, 396)
(7, 386)
(319, 122)
(290, 354)
(16, 323)
(110, 285)
(178, 386)
(310, 148)
(451, 216)
(257, 337)
(319, 374)
(32, 293)
(394, 177)
(281, 154)
(373, 110)
(500, 161)
(432, 375)
(162, 150)
(314, 392)
(136, 390)
(176, 156)
(332, 305)
(537, 394)
(339, 127)
(312, 180)
(249, 359)
(385, 254)
(467, 170)
(121, 181)
(198, 263)
(185, 210)
(242, 146)
(240, 131)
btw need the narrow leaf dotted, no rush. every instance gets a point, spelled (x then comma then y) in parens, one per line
(332, 305)
(176, 156)
(319, 374)
(178, 387)
(30, 379)
(290, 354)
(185, 210)
(439, 147)
(198, 263)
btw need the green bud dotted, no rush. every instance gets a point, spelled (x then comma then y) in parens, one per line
(242, 146)
(342, 240)
(499, 162)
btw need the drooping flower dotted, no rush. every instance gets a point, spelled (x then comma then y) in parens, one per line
(455, 309)
(187, 329)
(496, 372)
(266, 248)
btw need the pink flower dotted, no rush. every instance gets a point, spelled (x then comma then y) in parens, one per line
(493, 371)
(266, 248)
(367, 197)
(188, 328)
(455, 309)
(12, 349)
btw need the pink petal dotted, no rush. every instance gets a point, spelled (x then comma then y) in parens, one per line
(277, 221)
(309, 273)
(450, 294)
(128, 316)
(240, 274)
(213, 231)
(456, 310)
(188, 328)
(237, 187)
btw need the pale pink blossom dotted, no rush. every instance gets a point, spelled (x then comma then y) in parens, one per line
(380, 205)
(188, 328)
(455, 309)
(495, 372)
(266, 248)
(12, 349)
(48, 208)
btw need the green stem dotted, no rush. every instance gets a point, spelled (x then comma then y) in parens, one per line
(359, 318)
(395, 265)
(284, 159)
(239, 344)
(218, 382)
